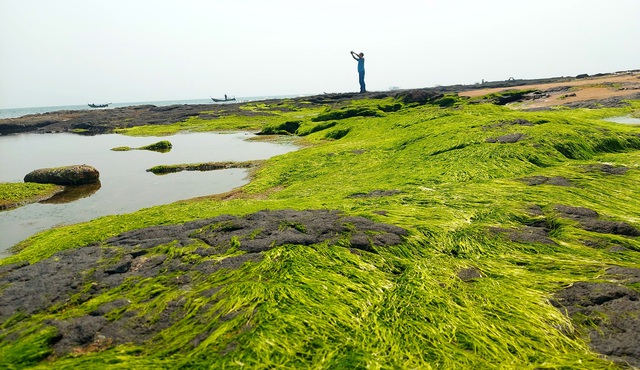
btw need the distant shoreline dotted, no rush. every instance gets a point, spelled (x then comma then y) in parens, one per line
(104, 120)
(8, 113)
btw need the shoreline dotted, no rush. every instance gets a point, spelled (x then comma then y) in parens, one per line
(99, 121)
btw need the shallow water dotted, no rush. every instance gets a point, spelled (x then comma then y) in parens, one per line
(125, 186)
(624, 119)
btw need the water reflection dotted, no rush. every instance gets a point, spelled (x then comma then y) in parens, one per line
(72, 193)
(125, 185)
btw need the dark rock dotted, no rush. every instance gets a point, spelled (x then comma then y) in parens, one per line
(558, 89)
(257, 232)
(68, 175)
(607, 168)
(590, 221)
(528, 234)
(627, 275)
(420, 96)
(469, 274)
(613, 102)
(606, 314)
(618, 248)
(535, 210)
(77, 332)
(106, 308)
(576, 213)
(508, 138)
(543, 180)
(609, 227)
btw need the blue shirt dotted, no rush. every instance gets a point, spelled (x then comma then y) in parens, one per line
(361, 65)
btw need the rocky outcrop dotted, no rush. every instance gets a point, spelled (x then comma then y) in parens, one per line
(606, 313)
(68, 175)
(74, 276)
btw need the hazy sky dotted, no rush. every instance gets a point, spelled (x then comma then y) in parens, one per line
(66, 52)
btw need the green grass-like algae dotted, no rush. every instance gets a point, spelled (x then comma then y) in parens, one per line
(14, 194)
(400, 307)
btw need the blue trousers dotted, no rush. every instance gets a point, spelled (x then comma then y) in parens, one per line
(361, 80)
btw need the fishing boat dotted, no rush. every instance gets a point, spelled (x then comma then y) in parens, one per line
(99, 105)
(223, 100)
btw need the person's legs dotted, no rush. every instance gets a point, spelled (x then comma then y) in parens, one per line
(362, 86)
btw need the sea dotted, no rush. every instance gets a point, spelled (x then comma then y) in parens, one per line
(19, 112)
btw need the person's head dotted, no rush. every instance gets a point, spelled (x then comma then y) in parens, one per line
(361, 55)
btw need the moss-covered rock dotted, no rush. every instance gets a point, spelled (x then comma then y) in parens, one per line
(160, 146)
(347, 113)
(68, 175)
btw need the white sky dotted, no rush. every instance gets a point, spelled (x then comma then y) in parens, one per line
(64, 52)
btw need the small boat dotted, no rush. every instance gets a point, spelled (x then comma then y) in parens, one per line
(99, 105)
(223, 100)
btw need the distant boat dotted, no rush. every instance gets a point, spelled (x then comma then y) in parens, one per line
(99, 105)
(223, 100)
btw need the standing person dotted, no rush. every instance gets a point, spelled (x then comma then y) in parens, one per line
(360, 59)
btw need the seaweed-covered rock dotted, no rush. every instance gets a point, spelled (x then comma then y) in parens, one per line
(543, 180)
(420, 96)
(264, 230)
(590, 221)
(528, 234)
(506, 139)
(607, 314)
(77, 275)
(68, 175)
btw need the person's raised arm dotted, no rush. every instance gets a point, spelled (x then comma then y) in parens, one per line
(354, 55)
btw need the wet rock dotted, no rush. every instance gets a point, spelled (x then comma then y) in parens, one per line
(68, 175)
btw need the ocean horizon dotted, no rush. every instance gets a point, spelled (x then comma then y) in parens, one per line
(20, 112)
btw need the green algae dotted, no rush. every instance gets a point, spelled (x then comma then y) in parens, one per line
(400, 307)
(162, 146)
(15, 194)
(206, 166)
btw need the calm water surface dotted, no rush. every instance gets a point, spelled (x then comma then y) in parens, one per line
(125, 186)
(629, 120)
